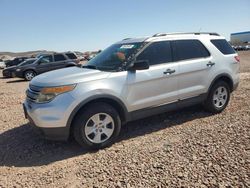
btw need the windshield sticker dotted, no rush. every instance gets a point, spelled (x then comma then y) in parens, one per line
(127, 46)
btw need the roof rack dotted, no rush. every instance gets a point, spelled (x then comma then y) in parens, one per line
(126, 38)
(191, 33)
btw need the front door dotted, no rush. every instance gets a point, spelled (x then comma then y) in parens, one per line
(44, 64)
(157, 85)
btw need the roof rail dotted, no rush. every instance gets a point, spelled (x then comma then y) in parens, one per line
(126, 38)
(191, 33)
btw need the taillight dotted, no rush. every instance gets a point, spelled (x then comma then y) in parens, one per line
(237, 58)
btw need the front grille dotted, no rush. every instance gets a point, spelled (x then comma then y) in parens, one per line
(6, 73)
(33, 92)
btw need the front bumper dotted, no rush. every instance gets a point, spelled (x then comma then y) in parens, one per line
(59, 133)
(7, 74)
(50, 119)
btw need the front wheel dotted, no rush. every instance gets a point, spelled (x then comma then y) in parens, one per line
(97, 126)
(29, 75)
(218, 97)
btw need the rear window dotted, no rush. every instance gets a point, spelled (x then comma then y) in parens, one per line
(190, 49)
(71, 56)
(223, 46)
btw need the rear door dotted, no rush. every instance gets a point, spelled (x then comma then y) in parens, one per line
(60, 61)
(157, 85)
(195, 64)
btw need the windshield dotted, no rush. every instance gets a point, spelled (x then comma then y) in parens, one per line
(113, 58)
(27, 62)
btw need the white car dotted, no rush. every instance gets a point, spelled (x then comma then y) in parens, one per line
(133, 79)
(2, 65)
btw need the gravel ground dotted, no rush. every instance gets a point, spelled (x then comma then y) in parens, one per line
(188, 148)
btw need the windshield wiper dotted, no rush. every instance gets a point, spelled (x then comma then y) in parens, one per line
(89, 66)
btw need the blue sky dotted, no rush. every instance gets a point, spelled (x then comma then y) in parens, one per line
(83, 25)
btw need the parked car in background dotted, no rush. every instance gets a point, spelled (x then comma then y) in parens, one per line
(9, 72)
(130, 80)
(15, 61)
(2, 64)
(80, 56)
(45, 63)
(73, 56)
(241, 47)
(247, 47)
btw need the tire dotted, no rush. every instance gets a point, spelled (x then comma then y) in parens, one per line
(29, 75)
(218, 97)
(91, 131)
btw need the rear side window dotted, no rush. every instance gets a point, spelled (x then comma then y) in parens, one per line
(157, 53)
(71, 56)
(59, 57)
(223, 46)
(190, 49)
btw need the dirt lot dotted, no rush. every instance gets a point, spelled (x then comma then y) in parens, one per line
(189, 148)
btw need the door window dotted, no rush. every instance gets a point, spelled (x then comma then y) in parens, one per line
(157, 53)
(45, 59)
(59, 57)
(190, 49)
(71, 56)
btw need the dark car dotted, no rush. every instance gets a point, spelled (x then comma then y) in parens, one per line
(15, 61)
(10, 71)
(72, 56)
(45, 63)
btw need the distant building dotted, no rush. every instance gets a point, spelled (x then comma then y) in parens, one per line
(239, 38)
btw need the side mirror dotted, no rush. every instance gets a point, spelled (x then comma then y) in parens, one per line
(139, 65)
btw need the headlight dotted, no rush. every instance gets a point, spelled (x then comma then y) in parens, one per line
(18, 70)
(49, 93)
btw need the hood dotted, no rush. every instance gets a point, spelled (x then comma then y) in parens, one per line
(68, 76)
(11, 68)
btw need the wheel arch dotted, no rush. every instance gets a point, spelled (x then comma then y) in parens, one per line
(111, 100)
(29, 69)
(224, 77)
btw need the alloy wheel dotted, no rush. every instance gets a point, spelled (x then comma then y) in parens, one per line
(220, 97)
(99, 128)
(29, 75)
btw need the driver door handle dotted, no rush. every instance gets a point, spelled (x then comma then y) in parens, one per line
(169, 71)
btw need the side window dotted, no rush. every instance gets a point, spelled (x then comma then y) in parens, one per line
(46, 59)
(190, 49)
(59, 57)
(223, 46)
(71, 56)
(157, 53)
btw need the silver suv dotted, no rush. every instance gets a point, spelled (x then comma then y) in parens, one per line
(129, 80)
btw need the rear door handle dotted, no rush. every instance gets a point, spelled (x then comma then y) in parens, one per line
(169, 71)
(210, 64)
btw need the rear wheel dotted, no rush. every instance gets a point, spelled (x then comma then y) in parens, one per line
(97, 126)
(29, 75)
(218, 97)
